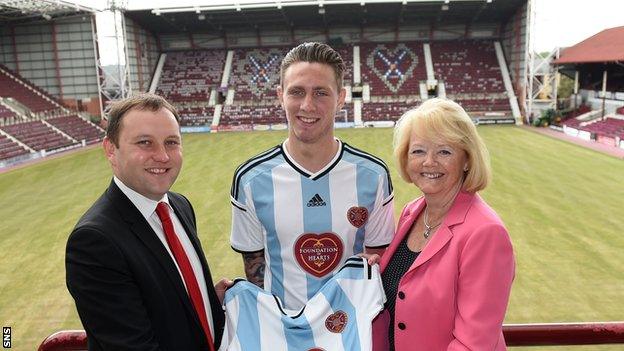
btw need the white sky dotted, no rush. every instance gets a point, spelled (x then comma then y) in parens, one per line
(558, 23)
(561, 23)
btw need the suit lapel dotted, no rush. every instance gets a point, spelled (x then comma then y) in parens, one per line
(405, 224)
(189, 227)
(456, 215)
(139, 227)
(439, 240)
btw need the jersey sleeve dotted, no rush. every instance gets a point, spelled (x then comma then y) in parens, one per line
(369, 289)
(380, 225)
(247, 230)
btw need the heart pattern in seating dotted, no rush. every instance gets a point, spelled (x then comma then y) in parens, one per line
(392, 67)
(260, 70)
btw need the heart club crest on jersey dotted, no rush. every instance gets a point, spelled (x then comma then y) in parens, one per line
(336, 321)
(357, 216)
(318, 254)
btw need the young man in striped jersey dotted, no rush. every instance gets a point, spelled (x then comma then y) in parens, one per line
(300, 209)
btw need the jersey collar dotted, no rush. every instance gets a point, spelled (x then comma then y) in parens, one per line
(313, 176)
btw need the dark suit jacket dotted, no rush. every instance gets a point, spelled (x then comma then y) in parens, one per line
(128, 292)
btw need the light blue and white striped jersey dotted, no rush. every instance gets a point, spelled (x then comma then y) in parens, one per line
(308, 224)
(337, 318)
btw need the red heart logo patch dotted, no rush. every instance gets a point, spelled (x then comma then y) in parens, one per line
(318, 254)
(357, 216)
(336, 321)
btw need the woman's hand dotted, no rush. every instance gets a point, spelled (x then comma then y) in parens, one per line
(371, 258)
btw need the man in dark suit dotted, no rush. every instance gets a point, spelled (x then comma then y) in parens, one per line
(134, 263)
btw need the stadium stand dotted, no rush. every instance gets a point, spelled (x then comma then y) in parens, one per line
(384, 111)
(5, 113)
(254, 78)
(572, 122)
(346, 52)
(195, 115)
(393, 72)
(609, 127)
(187, 79)
(243, 114)
(393, 69)
(37, 100)
(471, 74)
(189, 76)
(78, 128)
(38, 114)
(38, 136)
(570, 119)
(255, 73)
(9, 148)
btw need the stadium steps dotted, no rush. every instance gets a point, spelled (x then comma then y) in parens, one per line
(39, 136)
(77, 128)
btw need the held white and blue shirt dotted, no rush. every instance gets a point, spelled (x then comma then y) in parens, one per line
(337, 318)
(309, 223)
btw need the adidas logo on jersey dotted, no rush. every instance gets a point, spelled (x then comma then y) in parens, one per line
(316, 201)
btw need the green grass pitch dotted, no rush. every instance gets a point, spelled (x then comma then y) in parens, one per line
(563, 206)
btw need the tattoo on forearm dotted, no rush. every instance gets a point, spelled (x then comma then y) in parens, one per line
(254, 267)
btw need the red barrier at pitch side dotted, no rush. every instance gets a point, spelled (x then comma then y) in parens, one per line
(564, 334)
(552, 334)
(65, 340)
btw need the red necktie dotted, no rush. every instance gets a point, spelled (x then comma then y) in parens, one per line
(185, 267)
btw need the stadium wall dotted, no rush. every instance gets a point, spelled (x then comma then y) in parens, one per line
(57, 56)
(142, 55)
(515, 45)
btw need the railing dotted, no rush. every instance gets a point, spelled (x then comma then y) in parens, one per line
(515, 335)
(65, 340)
(564, 334)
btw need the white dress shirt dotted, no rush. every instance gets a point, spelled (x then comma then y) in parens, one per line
(147, 207)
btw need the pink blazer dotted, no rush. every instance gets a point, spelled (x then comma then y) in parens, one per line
(456, 292)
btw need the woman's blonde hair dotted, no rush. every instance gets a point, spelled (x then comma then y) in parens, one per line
(444, 121)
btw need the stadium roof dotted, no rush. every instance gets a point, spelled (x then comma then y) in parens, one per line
(18, 11)
(224, 16)
(606, 46)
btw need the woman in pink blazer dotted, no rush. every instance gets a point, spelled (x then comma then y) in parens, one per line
(448, 272)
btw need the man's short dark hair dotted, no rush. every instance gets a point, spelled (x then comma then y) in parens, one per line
(314, 52)
(142, 101)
